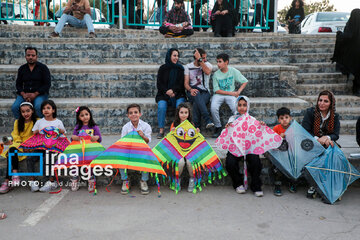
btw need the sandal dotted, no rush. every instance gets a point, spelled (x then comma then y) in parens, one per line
(2, 216)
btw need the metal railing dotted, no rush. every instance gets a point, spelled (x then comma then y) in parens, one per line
(137, 13)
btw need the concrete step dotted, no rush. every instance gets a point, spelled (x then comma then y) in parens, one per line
(310, 57)
(114, 81)
(313, 89)
(321, 78)
(348, 113)
(149, 51)
(70, 32)
(110, 113)
(315, 67)
(312, 48)
(341, 100)
(348, 127)
(313, 38)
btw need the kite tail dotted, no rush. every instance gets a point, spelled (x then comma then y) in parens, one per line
(245, 175)
(199, 178)
(83, 148)
(158, 184)
(177, 188)
(117, 171)
(57, 180)
(209, 176)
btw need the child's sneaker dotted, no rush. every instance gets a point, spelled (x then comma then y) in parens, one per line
(49, 186)
(240, 189)
(191, 185)
(91, 185)
(292, 188)
(259, 193)
(144, 188)
(277, 190)
(34, 186)
(74, 185)
(311, 193)
(124, 189)
(4, 187)
(15, 180)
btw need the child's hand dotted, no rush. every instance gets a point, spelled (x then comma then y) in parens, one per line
(75, 138)
(228, 125)
(61, 131)
(262, 123)
(282, 135)
(94, 138)
(198, 130)
(36, 132)
(172, 129)
(141, 133)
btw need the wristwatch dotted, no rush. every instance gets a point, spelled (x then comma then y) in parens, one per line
(200, 60)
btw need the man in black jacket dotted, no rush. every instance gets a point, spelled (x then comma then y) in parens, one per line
(32, 84)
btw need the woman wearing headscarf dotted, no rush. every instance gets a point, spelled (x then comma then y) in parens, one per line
(170, 85)
(222, 19)
(323, 123)
(347, 49)
(295, 15)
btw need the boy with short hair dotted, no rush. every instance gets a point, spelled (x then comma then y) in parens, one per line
(224, 89)
(144, 130)
(284, 119)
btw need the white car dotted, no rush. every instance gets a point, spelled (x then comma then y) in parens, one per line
(14, 12)
(324, 22)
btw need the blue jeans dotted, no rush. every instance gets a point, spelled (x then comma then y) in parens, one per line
(67, 18)
(37, 105)
(199, 107)
(162, 107)
(144, 175)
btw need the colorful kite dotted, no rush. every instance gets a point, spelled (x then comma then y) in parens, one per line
(186, 142)
(298, 149)
(48, 138)
(331, 173)
(247, 136)
(130, 152)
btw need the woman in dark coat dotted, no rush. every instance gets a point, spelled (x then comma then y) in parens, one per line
(170, 85)
(323, 123)
(347, 49)
(222, 19)
(295, 15)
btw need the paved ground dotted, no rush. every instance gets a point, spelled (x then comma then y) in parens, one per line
(216, 212)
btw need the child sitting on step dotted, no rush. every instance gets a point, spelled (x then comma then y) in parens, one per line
(144, 130)
(85, 122)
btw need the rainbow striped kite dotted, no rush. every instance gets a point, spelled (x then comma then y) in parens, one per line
(84, 151)
(130, 152)
(186, 142)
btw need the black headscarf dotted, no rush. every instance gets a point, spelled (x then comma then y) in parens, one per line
(174, 67)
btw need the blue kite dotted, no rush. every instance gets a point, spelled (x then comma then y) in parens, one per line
(298, 149)
(331, 173)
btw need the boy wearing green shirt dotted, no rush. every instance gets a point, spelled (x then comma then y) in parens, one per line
(224, 89)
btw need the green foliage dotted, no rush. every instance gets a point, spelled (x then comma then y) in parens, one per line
(318, 6)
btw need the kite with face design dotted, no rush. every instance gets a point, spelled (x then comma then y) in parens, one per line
(186, 142)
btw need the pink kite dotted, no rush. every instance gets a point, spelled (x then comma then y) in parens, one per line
(247, 136)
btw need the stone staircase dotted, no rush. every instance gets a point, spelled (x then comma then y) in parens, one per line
(120, 67)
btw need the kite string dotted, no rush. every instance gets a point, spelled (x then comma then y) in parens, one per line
(117, 171)
(333, 170)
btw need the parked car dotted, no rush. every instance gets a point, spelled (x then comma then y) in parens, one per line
(98, 17)
(13, 13)
(324, 22)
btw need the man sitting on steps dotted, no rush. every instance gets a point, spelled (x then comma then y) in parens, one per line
(177, 22)
(78, 14)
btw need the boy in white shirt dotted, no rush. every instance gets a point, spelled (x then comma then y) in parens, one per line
(144, 130)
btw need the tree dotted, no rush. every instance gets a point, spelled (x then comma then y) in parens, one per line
(318, 6)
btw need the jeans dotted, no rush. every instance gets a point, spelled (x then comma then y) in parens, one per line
(14, 162)
(216, 102)
(144, 175)
(199, 107)
(162, 107)
(37, 105)
(67, 18)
